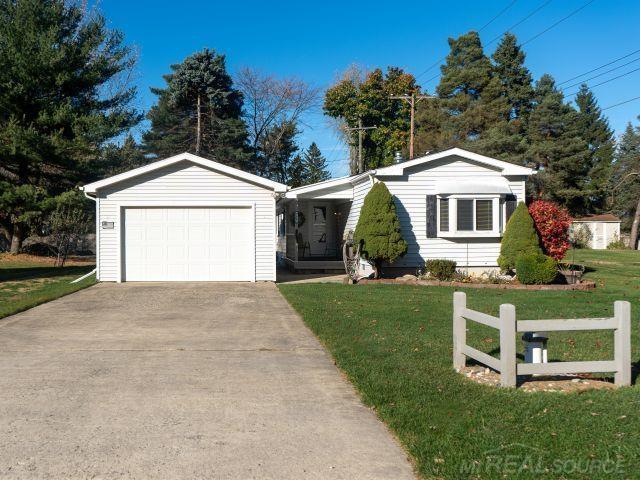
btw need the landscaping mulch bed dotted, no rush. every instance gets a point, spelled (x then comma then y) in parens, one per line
(546, 383)
(584, 285)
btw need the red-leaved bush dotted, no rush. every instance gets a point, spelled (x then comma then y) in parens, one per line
(552, 223)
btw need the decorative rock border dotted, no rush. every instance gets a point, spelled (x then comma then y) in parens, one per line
(584, 285)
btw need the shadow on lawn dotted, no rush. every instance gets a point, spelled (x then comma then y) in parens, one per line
(34, 273)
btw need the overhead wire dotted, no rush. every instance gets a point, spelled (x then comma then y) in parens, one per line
(601, 74)
(598, 68)
(621, 103)
(436, 63)
(604, 82)
(558, 22)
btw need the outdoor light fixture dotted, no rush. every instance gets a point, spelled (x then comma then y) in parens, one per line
(535, 347)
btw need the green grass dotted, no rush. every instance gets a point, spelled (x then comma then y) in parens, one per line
(25, 283)
(395, 344)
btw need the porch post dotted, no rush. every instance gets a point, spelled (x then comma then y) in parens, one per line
(295, 223)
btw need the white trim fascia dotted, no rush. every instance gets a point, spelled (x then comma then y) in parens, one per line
(334, 182)
(505, 167)
(203, 162)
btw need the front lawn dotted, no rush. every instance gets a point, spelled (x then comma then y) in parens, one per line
(394, 342)
(27, 281)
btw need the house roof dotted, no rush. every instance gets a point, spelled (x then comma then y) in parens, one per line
(332, 184)
(506, 167)
(604, 217)
(203, 162)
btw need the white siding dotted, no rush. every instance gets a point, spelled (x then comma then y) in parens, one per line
(186, 182)
(360, 190)
(602, 233)
(410, 192)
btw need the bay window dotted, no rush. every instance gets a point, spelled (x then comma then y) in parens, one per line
(469, 215)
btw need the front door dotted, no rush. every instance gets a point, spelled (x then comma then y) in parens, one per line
(319, 230)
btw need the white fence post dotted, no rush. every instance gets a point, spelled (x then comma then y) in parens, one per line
(507, 345)
(622, 342)
(459, 329)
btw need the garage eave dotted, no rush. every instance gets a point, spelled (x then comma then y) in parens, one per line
(204, 162)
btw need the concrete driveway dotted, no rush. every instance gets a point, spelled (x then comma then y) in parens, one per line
(185, 380)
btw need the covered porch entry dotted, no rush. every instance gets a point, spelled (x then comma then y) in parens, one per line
(311, 226)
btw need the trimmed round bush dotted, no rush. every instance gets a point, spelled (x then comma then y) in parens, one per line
(519, 237)
(536, 269)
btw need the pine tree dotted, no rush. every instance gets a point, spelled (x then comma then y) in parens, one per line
(296, 172)
(315, 165)
(62, 95)
(596, 132)
(625, 182)
(558, 149)
(465, 75)
(509, 96)
(116, 158)
(378, 230)
(199, 112)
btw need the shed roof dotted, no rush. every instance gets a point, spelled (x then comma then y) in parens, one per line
(604, 217)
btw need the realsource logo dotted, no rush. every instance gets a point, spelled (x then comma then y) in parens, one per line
(517, 458)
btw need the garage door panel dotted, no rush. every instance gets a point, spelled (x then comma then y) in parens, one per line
(176, 233)
(189, 244)
(155, 214)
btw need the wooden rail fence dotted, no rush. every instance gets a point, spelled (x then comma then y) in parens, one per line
(508, 326)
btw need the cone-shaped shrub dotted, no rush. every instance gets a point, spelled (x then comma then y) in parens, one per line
(519, 238)
(378, 228)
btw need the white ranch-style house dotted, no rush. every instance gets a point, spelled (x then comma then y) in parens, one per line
(187, 218)
(452, 205)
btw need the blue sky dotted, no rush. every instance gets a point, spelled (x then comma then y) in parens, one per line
(316, 41)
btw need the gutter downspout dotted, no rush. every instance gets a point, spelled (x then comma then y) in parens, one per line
(95, 270)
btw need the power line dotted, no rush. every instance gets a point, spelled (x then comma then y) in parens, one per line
(497, 16)
(558, 22)
(606, 81)
(436, 63)
(621, 103)
(598, 68)
(518, 23)
(601, 74)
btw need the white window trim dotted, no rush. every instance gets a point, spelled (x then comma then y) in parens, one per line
(453, 232)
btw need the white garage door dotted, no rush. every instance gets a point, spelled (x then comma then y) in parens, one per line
(189, 244)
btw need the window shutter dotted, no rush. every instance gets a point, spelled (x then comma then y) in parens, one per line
(510, 204)
(432, 216)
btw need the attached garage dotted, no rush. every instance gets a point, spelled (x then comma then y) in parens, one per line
(185, 218)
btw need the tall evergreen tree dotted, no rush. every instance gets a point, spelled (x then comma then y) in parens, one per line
(61, 98)
(315, 165)
(465, 75)
(510, 96)
(297, 172)
(199, 111)
(596, 132)
(625, 182)
(558, 149)
(116, 158)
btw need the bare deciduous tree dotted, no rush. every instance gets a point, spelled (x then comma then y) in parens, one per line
(271, 105)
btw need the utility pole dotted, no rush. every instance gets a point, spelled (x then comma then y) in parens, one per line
(360, 130)
(411, 100)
